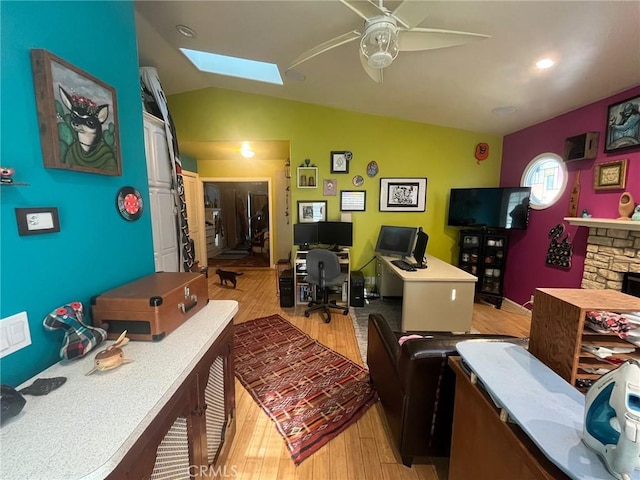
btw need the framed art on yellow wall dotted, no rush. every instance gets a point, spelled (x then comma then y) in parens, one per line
(610, 175)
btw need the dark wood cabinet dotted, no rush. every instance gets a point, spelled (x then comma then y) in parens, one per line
(483, 253)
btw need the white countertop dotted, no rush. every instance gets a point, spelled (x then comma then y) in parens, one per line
(436, 271)
(543, 404)
(84, 429)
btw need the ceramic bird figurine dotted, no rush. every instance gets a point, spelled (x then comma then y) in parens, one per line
(636, 214)
(111, 357)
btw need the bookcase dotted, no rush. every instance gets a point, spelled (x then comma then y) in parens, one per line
(304, 292)
(558, 330)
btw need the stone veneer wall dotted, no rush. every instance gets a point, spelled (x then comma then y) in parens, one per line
(610, 254)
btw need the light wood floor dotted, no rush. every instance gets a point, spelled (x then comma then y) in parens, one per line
(363, 451)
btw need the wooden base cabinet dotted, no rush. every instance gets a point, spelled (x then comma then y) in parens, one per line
(558, 330)
(191, 436)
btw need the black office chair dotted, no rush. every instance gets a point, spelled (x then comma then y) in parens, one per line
(323, 270)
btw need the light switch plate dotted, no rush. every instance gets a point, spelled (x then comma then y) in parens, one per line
(14, 333)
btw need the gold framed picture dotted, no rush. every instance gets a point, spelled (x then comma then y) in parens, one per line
(610, 175)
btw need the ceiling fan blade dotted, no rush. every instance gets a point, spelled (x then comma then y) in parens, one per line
(374, 73)
(411, 13)
(431, 38)
(365, 9)
(326, 46)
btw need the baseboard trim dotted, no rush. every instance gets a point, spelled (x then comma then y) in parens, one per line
(517, 306)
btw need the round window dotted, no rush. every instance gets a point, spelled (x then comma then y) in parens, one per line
(546, 174)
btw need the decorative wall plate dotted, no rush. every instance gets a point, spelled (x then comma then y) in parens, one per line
(129, 203)
(372, 168)
(358, 180)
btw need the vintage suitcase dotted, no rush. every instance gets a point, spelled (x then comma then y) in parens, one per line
(151, 307)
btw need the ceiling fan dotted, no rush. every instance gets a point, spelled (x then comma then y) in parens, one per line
(386, 33)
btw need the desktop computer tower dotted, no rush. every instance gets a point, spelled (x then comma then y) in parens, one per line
(287, 298)
(357, 289)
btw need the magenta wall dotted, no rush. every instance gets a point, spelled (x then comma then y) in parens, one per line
(526, 268)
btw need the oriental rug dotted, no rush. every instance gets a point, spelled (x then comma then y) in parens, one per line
(310, 392)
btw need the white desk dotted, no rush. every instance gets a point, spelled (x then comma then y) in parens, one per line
(438, 298)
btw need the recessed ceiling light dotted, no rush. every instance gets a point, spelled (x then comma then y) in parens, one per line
(234, 66)
(506, 110)
(544, 63)
(186, 31)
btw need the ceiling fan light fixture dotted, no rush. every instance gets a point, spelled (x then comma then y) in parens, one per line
(379, 44)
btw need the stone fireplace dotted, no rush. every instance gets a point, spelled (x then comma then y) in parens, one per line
(611, 253)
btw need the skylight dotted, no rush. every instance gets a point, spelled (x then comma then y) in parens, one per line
(234, 66)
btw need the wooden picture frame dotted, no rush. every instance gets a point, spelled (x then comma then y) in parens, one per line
(77, 116)
(610, 175)
(35, 221)
(403, 194)
(622, 125)
(353, 200)
(311, 211)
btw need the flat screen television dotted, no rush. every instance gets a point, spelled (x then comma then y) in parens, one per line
(500, 207)
(396, 241)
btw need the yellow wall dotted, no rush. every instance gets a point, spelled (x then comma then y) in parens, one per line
(401, 148)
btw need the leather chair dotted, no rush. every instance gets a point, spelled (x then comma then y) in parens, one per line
(323, 271)
(416, 386)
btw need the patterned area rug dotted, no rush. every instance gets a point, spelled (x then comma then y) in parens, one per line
(310, 392)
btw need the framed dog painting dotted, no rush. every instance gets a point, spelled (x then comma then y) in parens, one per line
(77, 116)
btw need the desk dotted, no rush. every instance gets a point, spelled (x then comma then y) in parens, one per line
(438, 298)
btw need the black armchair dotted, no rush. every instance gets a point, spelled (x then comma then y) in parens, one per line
(323, 271)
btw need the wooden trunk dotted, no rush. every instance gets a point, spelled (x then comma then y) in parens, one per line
(152, 307)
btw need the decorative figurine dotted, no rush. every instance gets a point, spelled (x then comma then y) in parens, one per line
(636, 214)
(6, 174)
(79, 338)
(111, 357)
(585, 214)
(625, 206)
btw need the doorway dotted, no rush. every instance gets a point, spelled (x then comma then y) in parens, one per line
(238, 222)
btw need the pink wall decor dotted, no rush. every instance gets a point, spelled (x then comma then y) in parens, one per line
(528, 249)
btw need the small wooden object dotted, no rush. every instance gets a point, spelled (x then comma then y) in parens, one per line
(111, 357)
(575, 194)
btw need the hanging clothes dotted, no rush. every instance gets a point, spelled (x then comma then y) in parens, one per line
(151, 82)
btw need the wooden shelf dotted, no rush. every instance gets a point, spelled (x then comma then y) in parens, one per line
(603, 223)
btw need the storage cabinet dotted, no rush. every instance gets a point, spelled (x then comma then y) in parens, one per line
(304, 292)
(558, 330)
(483, 253)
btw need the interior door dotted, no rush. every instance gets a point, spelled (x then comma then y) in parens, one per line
(193, 192)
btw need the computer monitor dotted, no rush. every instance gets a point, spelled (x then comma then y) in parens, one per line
(421, 248)
(396, 241)
(305, 235)
(335, 234)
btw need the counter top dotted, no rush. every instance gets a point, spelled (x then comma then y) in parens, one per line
(84, 429)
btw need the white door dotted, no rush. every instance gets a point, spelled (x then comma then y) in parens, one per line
(162, 198)
(194, 197)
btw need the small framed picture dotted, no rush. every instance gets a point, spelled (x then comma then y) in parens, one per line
(353, 200)
(610, 175)
(329, 186)
(403, 194)
(340, 161)
(622, 125)
(311, 211)
(35, 221)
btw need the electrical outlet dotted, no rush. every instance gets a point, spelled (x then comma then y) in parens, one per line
(14, 333)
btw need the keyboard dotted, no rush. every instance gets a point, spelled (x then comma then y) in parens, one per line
(402, 265)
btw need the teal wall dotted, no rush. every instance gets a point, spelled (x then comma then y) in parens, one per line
(188, 163)
(96, 249)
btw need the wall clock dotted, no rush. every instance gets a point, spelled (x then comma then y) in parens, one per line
(129, 203)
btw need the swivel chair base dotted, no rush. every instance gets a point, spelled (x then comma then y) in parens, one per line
(326, 308)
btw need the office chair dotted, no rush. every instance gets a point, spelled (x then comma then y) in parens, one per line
(323, 271)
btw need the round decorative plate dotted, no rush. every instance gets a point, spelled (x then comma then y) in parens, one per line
(372, 168)
(358, 180)
(129, 203)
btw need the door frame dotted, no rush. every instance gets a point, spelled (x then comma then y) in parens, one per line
(269, 183)
(201, 241)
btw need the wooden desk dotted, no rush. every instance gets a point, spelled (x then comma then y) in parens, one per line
(438, 298)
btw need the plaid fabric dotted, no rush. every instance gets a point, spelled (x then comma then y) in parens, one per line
(79, 338)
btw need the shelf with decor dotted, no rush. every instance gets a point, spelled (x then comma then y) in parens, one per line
(603, 223)
(307, 177)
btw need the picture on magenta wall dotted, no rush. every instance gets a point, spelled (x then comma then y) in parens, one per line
(77, 116)
(623, 125)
